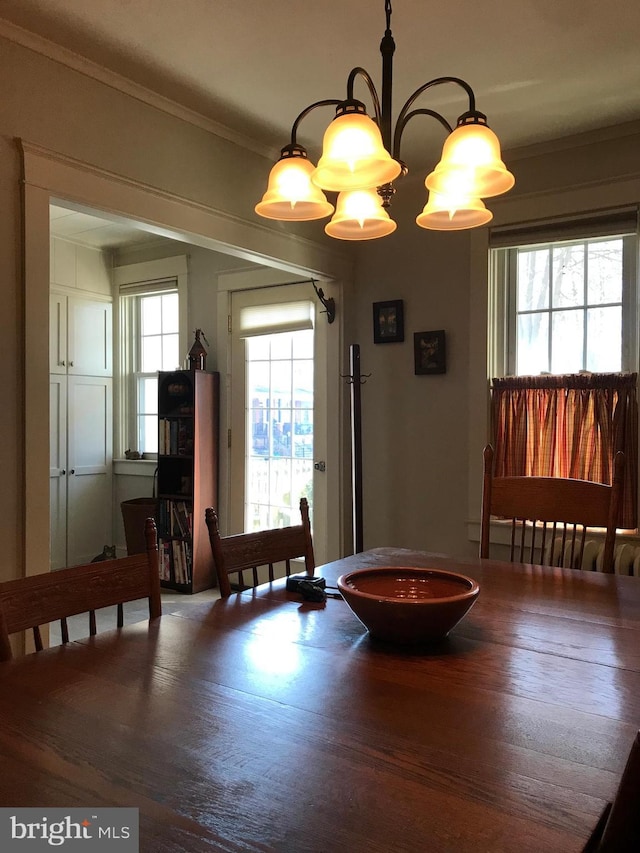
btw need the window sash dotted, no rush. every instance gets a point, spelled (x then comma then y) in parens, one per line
(131, 355)
(503, 316)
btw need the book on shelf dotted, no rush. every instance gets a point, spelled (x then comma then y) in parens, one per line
(175, 437)
(175, 525)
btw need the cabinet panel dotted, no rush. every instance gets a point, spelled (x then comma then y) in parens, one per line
(57, 333)
(89, 337)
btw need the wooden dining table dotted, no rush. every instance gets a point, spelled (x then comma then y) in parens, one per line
(264, 722)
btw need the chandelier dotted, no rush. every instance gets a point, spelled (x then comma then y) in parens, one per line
(361, 159)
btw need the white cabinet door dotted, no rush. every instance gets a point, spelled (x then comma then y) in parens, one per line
(89, 478)
(57, 333)
(58, 469)
(89, 337)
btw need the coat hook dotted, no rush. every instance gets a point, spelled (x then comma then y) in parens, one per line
(329, 304)
(350, 379)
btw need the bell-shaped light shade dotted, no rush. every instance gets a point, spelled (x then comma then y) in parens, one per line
(353, 156)
(445, 213)
(360, 216)
(290, 194)
(471, 165)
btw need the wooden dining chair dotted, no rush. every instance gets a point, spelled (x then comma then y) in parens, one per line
(618, 830)
(36, 600)
(551, 516)
(247, 552)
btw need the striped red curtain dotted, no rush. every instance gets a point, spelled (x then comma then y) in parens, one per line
(568, 426)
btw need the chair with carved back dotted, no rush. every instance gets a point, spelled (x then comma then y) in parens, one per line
(552, 517)
(247, 552)
(30, 602)
(618, 830)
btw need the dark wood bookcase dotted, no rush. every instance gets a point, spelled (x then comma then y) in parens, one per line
(188, 416)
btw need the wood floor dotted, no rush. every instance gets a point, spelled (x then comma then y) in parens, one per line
(134, 611)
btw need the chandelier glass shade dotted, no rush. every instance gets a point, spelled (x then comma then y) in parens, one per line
(290, 193)
(361, 158)
(353, 155)
(360, 216)
(471, 164)
(446, 213)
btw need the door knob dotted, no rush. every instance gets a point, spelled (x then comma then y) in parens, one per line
(320, 466)
(72, 471)
(62, 472)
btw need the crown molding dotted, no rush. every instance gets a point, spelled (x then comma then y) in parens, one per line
(62, 55)
(575, 140)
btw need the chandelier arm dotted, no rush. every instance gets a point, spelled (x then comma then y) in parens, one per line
(361, 72)
(330, 102)
(437, 82)
(404, 120)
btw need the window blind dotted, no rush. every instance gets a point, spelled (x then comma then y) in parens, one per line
(272, 319)
(148, 288)
(609, 223)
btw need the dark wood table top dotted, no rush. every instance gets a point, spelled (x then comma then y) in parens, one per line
(265, 723)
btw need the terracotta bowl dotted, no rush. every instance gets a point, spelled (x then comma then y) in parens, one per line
(408, 605)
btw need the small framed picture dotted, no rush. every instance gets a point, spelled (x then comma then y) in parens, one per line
(388, 322)
(429, 352)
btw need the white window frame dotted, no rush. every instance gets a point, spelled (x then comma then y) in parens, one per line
(131, 313)
(131, 280)
(503, 279)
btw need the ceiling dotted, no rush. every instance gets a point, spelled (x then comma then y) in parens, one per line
(541, 69)
(90, 230)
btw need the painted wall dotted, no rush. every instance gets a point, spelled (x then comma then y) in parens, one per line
(414, 427)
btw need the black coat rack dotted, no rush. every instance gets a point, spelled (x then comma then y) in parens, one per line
(356, 379)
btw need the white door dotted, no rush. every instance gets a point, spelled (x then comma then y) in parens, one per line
(80, 429)
(80, 335)
(89, 342)
(58, 333)
(279, 416)
(58, 469)
(89, 496)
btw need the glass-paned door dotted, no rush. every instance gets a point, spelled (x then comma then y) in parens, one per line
(278, 413)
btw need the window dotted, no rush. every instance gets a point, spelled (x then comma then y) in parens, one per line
(150, 335)
(565, 305)
(567, 301)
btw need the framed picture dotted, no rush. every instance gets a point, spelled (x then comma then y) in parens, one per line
(429, 352)
(388, 322)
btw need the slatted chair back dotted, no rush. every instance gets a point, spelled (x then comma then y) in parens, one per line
(550, 516)
(247, 552)
(618, 829)
(29, 602)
